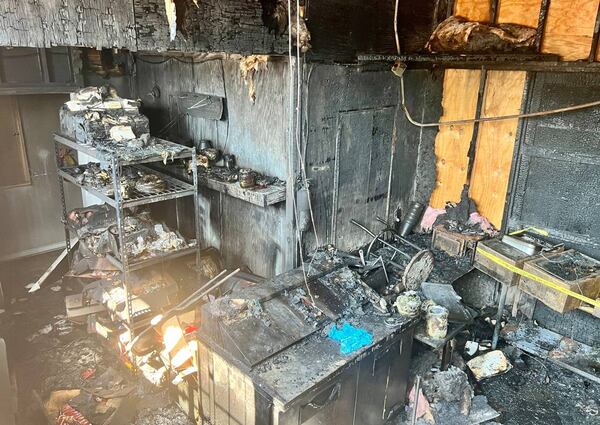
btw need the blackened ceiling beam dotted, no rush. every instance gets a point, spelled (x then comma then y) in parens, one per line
(340, 29)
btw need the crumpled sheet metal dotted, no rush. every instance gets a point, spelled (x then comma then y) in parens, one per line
(459, 35)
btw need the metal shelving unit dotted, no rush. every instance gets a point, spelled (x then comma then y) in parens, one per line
(174, 188)
(117, 161)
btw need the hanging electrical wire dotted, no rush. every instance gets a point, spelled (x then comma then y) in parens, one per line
(181, 59)
(294, 137)
(488, 119)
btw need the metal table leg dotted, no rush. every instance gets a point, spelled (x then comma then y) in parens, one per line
(446, 355)
(501, 304)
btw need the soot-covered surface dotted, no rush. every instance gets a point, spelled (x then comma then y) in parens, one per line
(538, 392)
(45, 358)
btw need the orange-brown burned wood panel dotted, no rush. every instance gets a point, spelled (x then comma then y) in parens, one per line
(569, 23)
(569, 28)
(523, 12)
(474, 10)
(496, 142)
(461, 88)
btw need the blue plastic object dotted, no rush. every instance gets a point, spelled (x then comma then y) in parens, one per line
(350, 338)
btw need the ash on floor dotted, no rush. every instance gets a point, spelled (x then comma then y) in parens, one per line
(538, 392)
(47, 353)
(534, 391)
(170, 415)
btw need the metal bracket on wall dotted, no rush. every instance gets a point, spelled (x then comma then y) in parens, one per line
(201, 105)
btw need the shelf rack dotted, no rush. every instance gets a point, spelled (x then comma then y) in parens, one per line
(259, 196)
(139, 160)
(175, 188)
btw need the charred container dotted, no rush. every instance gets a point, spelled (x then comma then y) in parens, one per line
(288, 372)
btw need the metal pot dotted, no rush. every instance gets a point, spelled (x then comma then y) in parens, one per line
(204, 144)
(247, 178)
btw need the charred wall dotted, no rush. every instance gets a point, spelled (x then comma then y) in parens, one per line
(255, 132)
(348, 119)
(350, 115)
(556, 170)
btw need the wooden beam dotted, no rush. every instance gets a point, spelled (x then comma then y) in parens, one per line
(102, 23)
(541, 25)
(495, 143)
(595, 37)
(461, 88)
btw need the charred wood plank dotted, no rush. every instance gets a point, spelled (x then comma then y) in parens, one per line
(232, 26)
(80, 23)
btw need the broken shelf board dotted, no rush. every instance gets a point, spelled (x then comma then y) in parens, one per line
(560, 350)
(137, 264)
(175, 189)
(262, 197)
(106, 155)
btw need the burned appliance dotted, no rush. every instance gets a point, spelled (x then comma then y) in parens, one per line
(264, 354)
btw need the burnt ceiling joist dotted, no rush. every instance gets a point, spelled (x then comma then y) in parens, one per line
(341, 29)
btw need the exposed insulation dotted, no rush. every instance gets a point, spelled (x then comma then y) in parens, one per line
(569, 23)
(249, 67)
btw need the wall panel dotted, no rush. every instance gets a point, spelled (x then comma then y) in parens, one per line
(31, 213)
(355, 109)
(452, 143)
(255, 133)
(569, 28)
(495, 143)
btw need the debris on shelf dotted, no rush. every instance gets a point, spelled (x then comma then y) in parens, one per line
(96, 228)
(99, 118)
(459, 35)
(133, 180)
(216, 165)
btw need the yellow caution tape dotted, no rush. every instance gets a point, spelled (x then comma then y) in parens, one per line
(514, 269)
(535, 229)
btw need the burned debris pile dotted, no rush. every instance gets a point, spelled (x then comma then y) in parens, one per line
(332, 339)
(99, 118)
(459, 35)
(95, 227)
